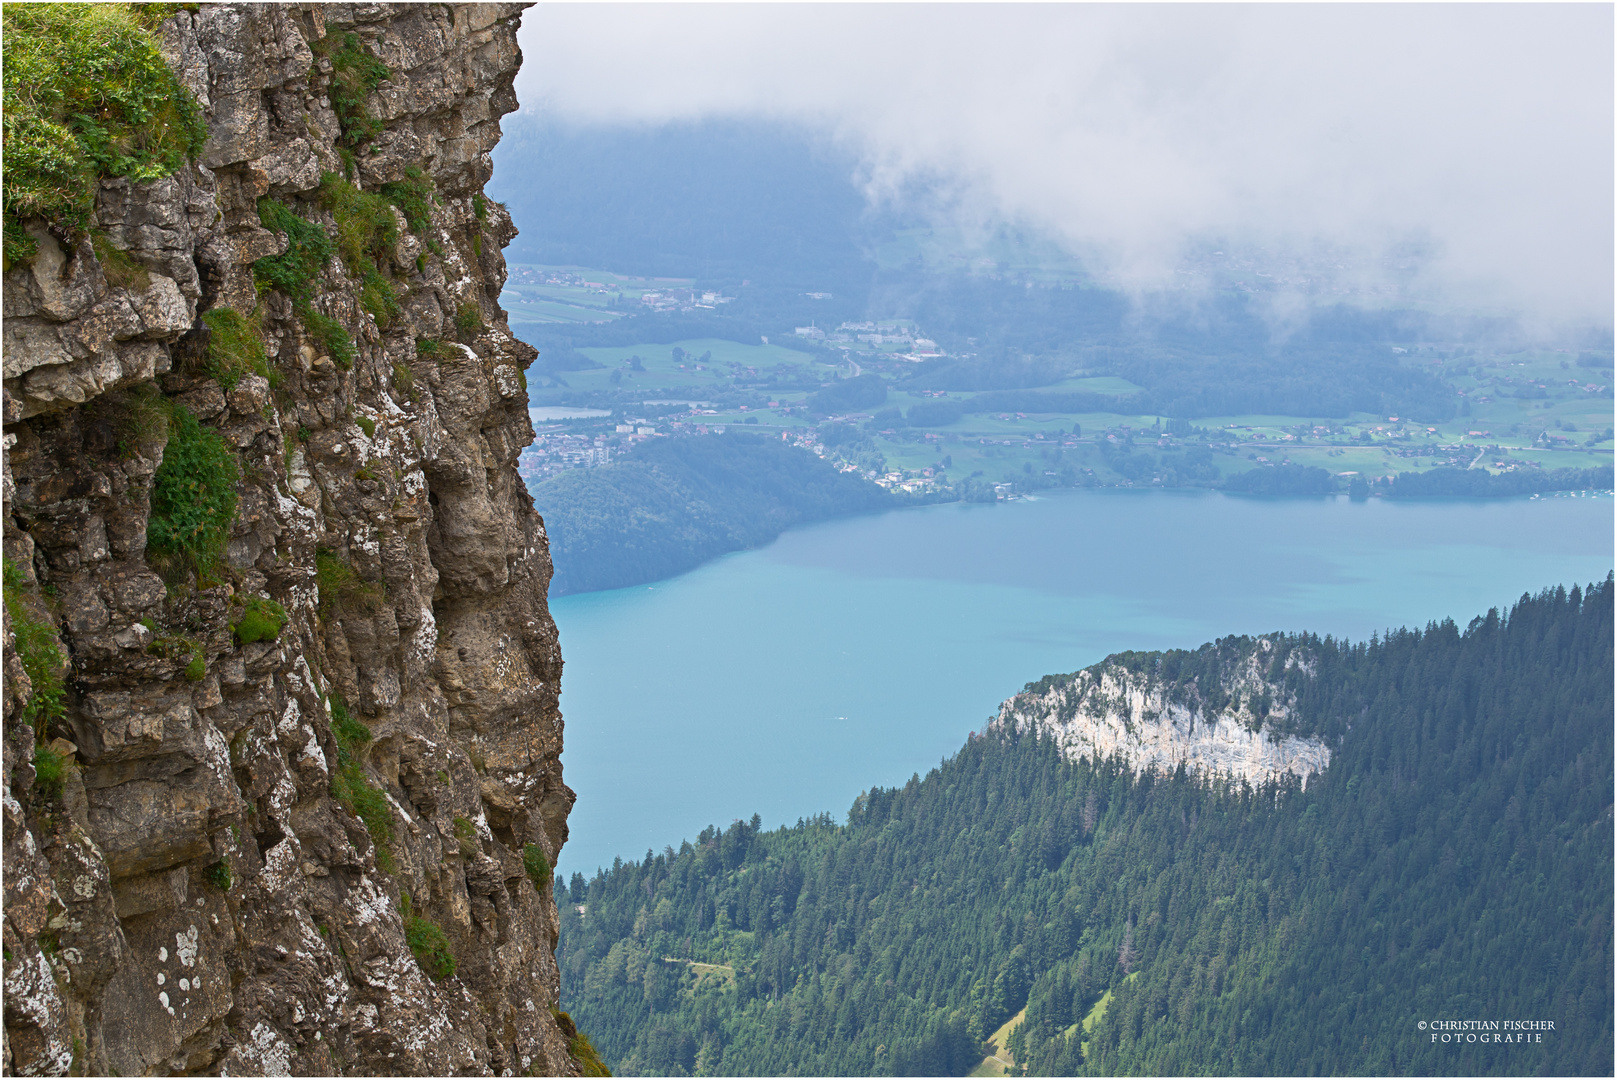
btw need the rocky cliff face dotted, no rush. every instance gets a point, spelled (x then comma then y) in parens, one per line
(317, 845)
(1128, 712)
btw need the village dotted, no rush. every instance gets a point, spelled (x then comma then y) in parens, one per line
(902, 340)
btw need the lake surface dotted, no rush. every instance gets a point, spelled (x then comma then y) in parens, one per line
(851, 654)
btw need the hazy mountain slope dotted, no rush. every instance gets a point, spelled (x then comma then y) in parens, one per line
(717, 200)
(680, 502)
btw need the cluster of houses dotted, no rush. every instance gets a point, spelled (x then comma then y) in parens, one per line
(877, 334)
(682, 299)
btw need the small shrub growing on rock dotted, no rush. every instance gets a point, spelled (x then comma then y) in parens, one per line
(308, 250)
(578, 1046)
(367, 425)
(380, 299)
(350, 787)
(404, 379)
(339, 586)
(144, 420)
(294, 272)
(50, 772)
(261, 620)
(366, 227)
(536, 866)
(468, 320)
(427, 942)
(220, 876)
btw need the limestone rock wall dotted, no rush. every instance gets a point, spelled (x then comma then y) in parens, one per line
(1110, 711)
(127, 949)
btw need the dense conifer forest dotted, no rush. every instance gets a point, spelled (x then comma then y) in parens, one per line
(1454, 862)
(1474, 482)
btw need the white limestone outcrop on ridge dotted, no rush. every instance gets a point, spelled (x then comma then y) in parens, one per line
(1109, 711)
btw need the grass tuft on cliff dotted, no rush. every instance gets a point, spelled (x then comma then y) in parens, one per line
(355, 75)
(308, 250)
(579, 1047)
(193, 496)
(353, 789)
(86, 95)
(413, 197)
(235, 347)
(340, 587)
(429, 944)
(366, 227)
(40, 651)
(261, 620)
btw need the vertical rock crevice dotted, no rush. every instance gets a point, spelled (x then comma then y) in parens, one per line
(295, 808)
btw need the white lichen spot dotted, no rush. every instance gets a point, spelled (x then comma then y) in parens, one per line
(291, 717)
(280, 866)
(185, 984)
(369, 541)
(218, 755)
(298, 477)
(370, 903)
(424, 641)
(312, 752)
(162, 997)
(162, 954)
(507, 381)
(281, 797)
(365, 1017)
(84, 886)
(185, 946)
(161, 978)
(266, 1049)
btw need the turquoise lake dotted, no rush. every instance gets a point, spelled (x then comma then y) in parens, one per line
(785, 681)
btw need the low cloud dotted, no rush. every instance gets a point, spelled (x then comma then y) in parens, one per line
(1461, 154)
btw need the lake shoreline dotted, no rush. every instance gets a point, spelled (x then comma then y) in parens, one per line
(785, 679)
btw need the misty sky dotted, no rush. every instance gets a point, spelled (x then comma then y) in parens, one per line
(1479, 135)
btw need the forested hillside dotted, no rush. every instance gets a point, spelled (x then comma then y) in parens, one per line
(1480, 482)
(680, 502)
(1454, 862)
